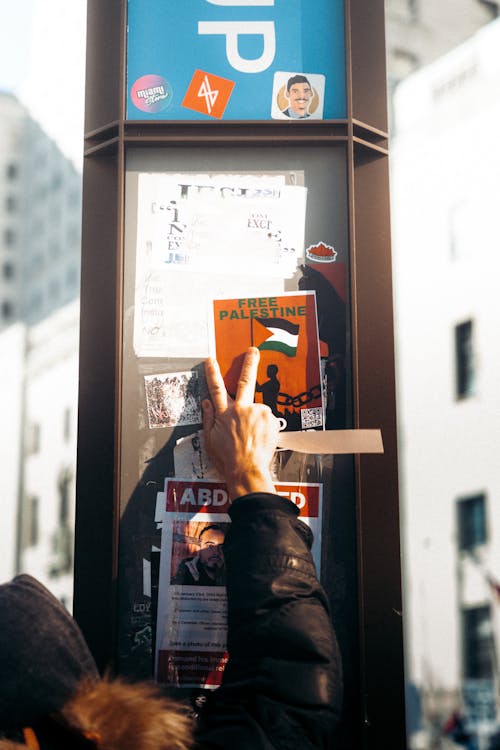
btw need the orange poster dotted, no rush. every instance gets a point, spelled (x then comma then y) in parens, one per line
(285, 330)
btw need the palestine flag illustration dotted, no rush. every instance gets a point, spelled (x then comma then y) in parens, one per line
(284, 336)
(285, 330)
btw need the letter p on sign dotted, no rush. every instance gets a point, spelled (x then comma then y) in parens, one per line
(232, 30)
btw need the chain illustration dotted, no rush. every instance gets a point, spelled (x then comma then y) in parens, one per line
(303, 398)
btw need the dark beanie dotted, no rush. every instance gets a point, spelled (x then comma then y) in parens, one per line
(43, 655)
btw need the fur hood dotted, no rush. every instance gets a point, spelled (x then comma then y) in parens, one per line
(115, 715)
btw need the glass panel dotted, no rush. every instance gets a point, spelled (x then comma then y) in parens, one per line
(472, 522)
(464, 360)
(179, 257)
(479, 656)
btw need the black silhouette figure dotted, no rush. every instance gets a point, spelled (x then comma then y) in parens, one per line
(270, 389)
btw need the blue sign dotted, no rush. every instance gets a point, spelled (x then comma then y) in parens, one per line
(236, 60)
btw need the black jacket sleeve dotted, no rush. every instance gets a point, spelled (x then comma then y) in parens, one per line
(282, 687)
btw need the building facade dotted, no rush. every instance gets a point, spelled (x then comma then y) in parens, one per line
(40, 220)
(47, 512)
(445, 188)
(41, 406)
(420, 31)
(12, 358)
(40, 246)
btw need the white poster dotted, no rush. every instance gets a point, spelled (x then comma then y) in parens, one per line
(201, 236)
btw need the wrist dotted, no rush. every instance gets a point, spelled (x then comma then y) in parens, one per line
(241, 483)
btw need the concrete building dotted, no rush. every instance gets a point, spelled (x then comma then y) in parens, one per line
(40, 449)
(40, 220)
(40, 240)
(420, 31)
(446, 234)
(49, 458)
(12, 350)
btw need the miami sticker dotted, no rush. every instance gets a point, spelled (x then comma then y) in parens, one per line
(151, 93)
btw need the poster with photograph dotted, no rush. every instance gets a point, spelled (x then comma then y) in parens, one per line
(173, 399)
(285, 329)
(188, 226)
(192, 606)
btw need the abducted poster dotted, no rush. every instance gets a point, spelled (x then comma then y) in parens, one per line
(192, 603)
(236, 60)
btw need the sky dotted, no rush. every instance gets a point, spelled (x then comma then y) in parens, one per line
(42, 62)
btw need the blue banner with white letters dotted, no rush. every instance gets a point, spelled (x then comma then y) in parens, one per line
(236, 60)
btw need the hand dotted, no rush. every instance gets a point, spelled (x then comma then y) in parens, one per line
(240, 436)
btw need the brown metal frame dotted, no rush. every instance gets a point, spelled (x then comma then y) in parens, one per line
(364, 131)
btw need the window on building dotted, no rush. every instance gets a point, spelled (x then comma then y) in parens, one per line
(64, 488)
(478, 643)
(56, 181)
(472, 526)
(67, 424)
(413, 8)
(11, 171)
(33, 438)
(464, 360)
(61, 560)
(8, 271)
(7, 310)
(33, 522)
(11, 203)
(9, 237)
(492, 6)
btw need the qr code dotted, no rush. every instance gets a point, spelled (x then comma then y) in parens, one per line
(311, 418)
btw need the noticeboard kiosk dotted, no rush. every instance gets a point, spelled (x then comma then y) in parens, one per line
(235, 170)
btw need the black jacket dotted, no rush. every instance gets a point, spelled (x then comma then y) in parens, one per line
(282, 687)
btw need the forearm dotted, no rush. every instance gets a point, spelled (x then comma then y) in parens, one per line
(279, 626)
(241, 483)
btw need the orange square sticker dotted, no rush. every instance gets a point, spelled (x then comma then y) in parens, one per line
(208, 93)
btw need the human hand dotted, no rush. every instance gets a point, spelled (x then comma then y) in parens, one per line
(240, 436)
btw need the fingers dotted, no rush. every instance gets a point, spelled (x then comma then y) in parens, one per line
(248, 377)
(208, 416)
(246, 384)
(216, 386)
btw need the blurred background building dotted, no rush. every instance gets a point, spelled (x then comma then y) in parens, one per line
(445, 185)
(40, 238)
(444, 85)
(40, 220)
(420, 31)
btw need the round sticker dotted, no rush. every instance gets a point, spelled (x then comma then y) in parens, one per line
(151, 93)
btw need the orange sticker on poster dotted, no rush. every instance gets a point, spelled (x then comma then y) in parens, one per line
(208, 94)
(284, 328)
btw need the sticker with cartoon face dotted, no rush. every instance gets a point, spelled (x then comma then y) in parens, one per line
(298, 96)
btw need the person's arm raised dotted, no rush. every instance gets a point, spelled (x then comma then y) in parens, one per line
(240, 436)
